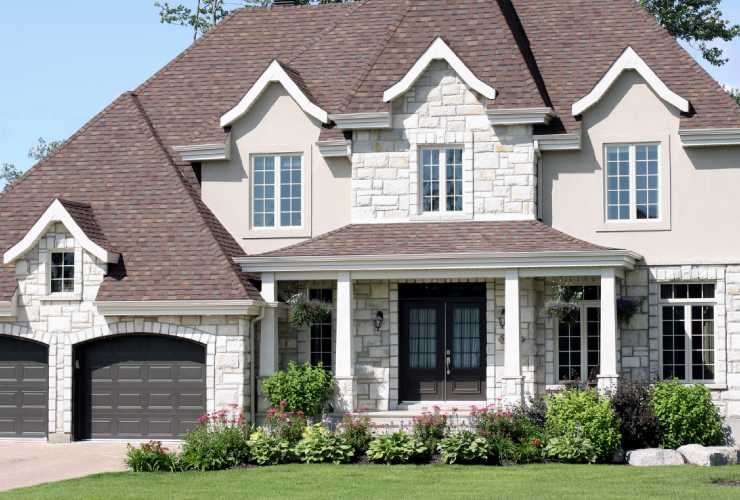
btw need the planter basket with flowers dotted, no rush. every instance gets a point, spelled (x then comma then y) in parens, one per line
(564, 307)
(626, 308)
(305, 311)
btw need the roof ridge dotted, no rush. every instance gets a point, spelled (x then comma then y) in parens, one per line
(186, 187)
(362, 75)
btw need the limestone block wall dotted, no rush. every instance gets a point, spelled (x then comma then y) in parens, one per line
(441, 110)
(63, 323)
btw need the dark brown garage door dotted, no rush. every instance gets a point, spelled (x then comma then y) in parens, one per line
(24, 388)
(139, 387)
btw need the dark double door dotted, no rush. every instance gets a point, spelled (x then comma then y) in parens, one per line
(443, 339)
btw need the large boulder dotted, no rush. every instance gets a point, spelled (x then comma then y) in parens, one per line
(697, 454)
(732, 451)
(654, 456)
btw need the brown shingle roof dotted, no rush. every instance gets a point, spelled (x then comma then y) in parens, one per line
(412, 238)
(84, 216)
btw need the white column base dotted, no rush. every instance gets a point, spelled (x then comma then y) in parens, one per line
(512, 390)
(606, 384)
(345, 395)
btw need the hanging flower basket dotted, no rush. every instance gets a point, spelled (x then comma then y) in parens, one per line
(564, 307)
(305, 311)
(626, 308)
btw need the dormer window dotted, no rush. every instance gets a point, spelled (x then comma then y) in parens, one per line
(62, 272)
(442, 180)
(632, 182)
(277, 188)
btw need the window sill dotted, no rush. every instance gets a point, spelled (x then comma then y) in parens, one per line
(609, 227)
(441, 216)
(62, 296)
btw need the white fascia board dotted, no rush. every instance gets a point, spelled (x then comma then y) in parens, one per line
(710, 137)
(57, 213)
(206, 152)
(629, 60)
(335, 148)
(181, 307)
(273, 73)
(603, 258)
(524, 116)
(558, 142)
(438, 50)
(9, 308)
(349, 121)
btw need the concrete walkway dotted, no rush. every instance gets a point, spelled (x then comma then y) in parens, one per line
(28, 463)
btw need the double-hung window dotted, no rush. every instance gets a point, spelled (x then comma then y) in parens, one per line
(441, 180)
(632, 182)
(579, 343)
(62, 272)
(277, 191)
(687, 331)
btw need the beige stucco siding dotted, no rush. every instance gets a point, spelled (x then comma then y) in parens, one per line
(701, 220)
(276, 124)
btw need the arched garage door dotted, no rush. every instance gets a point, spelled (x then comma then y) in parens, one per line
(139, 387)
(24, 388)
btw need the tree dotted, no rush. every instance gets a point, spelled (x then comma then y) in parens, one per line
(9, 173)
(696, 22)
(42, 149)
(734, 93)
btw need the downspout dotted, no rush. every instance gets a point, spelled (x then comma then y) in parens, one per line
(539, 179)
(252, 375)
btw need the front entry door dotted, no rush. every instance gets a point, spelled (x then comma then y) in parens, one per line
(443, 350)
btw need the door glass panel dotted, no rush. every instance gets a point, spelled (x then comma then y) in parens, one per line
(422, 337)
(674, 342)
(569, 351)
(465, 337)
(593, 338)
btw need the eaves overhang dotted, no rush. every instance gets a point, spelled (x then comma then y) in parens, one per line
(520, 116)
(206, 152)
(181, 307)
(9, 308)
(710, 137)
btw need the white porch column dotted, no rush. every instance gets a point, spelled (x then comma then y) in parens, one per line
(269, 328)
(608, 375)
(344, 369)
(512, 383)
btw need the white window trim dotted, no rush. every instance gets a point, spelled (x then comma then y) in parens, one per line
(663, 223)
(77, 293)
(333, 324)
(442, 179)
(687, 303)
(278, 225)
(583, 304)
(633, 184)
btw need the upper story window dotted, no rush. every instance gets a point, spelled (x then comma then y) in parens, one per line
(687, 331)
(632, 182)
(62, 272)
(442, 180)
(277, 191)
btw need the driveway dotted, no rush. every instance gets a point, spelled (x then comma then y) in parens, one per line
(27, 463)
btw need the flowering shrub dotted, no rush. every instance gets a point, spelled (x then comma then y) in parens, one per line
(356, 431)
(627, 308)
(305, 311)
(396, 447)
(463, 445)
(564, 307)
(430, 428)
(219, 441)
(286, 425)
(150, 457)
(303, 388)
(323, 446)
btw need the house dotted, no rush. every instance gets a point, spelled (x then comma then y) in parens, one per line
(437, 165)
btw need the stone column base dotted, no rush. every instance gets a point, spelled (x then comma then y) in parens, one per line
(345, 395)
(60, 437)
(262, 403)
(512, 390)
(606, 383)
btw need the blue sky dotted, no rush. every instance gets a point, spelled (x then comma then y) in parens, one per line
(62, 62)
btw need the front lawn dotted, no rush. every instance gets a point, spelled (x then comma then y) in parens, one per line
(298, 481)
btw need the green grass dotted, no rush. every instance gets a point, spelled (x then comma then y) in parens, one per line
(327, 481)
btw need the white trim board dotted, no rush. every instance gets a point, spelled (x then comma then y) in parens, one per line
(57, 213)
(206, 152)
(533, 272)
(558, 142)
(10, 307)
(629, 60)
(335, 148)
(438, 49)
(348, 121)
(405, 262)
(181, 307)
(273, 73)
(522, 116)
(710, 137)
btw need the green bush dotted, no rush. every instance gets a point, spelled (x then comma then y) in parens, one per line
(463, 445)
(397, 447)
(323, 446)
(151, 457)
(304, 388)
(266, 449)
(219, 441)
(576, 413)
(430, 428)
(571, 448)
(686, 414)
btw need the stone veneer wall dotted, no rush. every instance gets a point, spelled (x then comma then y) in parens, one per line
(61, 324)
(440, 110)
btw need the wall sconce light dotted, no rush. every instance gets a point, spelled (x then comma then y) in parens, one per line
(502, 318)
(378, 320)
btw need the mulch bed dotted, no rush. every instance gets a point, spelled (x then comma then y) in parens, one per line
(728, 483)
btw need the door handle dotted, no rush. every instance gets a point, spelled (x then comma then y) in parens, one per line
(448, 363)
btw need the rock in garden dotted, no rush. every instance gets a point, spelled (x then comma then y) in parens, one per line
(654, 456)
(697, 454)
(618, 457)
(732, 451)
